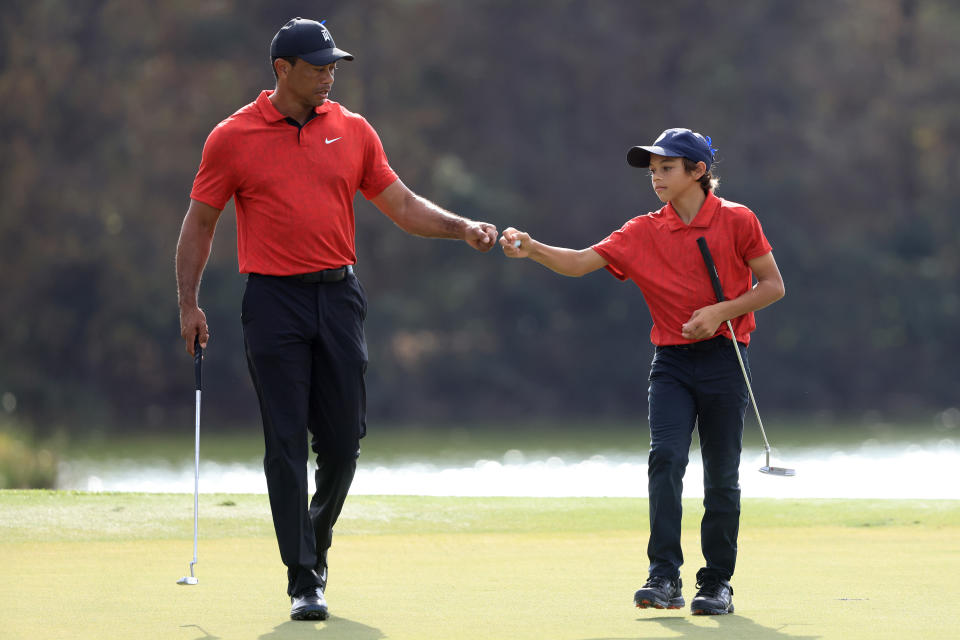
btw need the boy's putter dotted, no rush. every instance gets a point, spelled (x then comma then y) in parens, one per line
(718, 290)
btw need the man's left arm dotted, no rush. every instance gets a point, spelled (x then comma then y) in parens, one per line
(769, 288)
(418, 216)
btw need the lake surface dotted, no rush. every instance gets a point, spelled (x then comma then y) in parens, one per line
(870, 469)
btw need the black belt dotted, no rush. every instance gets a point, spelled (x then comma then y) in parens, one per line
(704, 345)
(325, 276)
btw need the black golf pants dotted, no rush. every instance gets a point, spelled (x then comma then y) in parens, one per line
(307, 358)
(698, 385)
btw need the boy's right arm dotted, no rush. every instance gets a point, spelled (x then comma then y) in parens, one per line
(567, 262)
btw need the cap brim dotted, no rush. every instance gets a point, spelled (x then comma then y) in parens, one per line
(640, 156)
(325, 56)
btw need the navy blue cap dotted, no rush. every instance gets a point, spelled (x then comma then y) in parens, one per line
(308, 40)
(675, 143)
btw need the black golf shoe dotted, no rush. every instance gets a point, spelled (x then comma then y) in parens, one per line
(309, 605)
(660, 593)
(714, 597)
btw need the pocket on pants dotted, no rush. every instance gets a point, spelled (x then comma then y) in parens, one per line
(244, 302)
(361, 297)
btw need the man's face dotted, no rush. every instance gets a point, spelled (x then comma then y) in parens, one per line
(670, 179)
(309, 83)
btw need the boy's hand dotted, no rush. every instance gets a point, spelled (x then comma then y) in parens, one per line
(516, 244)
(702, 324)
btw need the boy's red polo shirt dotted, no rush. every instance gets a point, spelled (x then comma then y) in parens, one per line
(293, 187)
(660, 254)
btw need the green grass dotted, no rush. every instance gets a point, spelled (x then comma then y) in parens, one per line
(68, 516)
(80, 565)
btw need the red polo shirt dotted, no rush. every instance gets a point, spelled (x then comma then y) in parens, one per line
(293, 187)
(660, 254)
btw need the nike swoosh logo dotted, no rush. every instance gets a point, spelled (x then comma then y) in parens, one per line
(328, 140)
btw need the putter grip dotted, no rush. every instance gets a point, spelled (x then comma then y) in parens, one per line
(711, 268)
(197, 359)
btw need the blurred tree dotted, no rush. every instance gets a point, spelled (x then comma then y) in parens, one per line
(836, 122)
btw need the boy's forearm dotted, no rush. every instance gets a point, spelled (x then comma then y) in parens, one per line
(763, 294)
(566, 262)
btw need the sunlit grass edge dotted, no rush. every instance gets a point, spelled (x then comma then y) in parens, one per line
(37, 516)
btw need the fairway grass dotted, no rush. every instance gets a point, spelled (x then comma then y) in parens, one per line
(79, 565)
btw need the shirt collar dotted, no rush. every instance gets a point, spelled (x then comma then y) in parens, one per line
(704, 217)
(270, 113)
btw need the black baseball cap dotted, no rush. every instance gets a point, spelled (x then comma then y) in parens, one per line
(308, 40)
(675, 143)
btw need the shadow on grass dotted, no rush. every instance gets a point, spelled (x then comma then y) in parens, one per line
(206, 634)
(334, 627)
(730, 626)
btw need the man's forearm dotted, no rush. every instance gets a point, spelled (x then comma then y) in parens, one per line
(193, 250)
(188, 281)
(423, 218)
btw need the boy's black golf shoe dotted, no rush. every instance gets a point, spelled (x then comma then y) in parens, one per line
(660, 592)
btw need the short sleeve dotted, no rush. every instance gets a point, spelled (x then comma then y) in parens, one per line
(751, 239)
(619, 247)
(377, 173)
(216, 179)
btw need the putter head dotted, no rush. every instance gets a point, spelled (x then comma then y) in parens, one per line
(778, 471)
(187, 580)
(773, 471)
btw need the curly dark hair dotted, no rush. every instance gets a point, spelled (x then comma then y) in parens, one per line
(708, 181)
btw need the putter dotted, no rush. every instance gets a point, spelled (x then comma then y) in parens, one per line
(718, 290)
(197, 361)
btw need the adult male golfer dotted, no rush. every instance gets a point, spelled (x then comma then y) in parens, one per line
(293, 160)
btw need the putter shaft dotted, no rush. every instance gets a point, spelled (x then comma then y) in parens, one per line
(196, 484)
(753, 401)
(197, 360)
(777, 471)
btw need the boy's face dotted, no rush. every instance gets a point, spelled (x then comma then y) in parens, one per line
(669, 178)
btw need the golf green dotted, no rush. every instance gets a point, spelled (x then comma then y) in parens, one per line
(82, 565)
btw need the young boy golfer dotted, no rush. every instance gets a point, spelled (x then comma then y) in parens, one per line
(695, 378)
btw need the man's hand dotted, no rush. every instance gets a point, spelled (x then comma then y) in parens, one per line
(482, 236)
(193, 323)
(702, 324)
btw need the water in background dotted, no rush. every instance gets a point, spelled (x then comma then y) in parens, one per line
(868, 470)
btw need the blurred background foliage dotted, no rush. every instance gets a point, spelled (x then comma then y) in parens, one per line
(836, 121)
(25, 463)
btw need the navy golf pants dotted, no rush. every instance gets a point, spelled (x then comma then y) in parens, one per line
(307, 358)
(700, 386)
